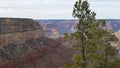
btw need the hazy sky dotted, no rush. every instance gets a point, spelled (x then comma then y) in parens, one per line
(56, 9)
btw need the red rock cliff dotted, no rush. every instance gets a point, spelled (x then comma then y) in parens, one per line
(23, 45)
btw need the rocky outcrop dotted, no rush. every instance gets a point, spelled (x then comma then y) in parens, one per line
(18, 30)
(117, 45)
(19, 37)
(51, 33)
(23, 45)
(61, 27)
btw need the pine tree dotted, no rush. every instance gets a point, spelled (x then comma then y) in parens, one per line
(107, 51)
(91, 39)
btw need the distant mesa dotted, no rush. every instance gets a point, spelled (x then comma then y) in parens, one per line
(69, 26)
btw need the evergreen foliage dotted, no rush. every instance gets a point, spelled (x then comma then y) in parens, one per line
(92, 40)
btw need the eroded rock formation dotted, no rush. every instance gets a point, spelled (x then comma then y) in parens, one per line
(23, 45)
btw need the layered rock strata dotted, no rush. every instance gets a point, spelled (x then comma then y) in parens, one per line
(23, 45)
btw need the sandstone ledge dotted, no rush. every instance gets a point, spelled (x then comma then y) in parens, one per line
(20, 37)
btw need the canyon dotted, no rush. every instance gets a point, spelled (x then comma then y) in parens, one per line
(28, 43)
(68, 26)
(23, 45)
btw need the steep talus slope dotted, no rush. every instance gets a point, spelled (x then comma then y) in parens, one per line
(23, 45)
